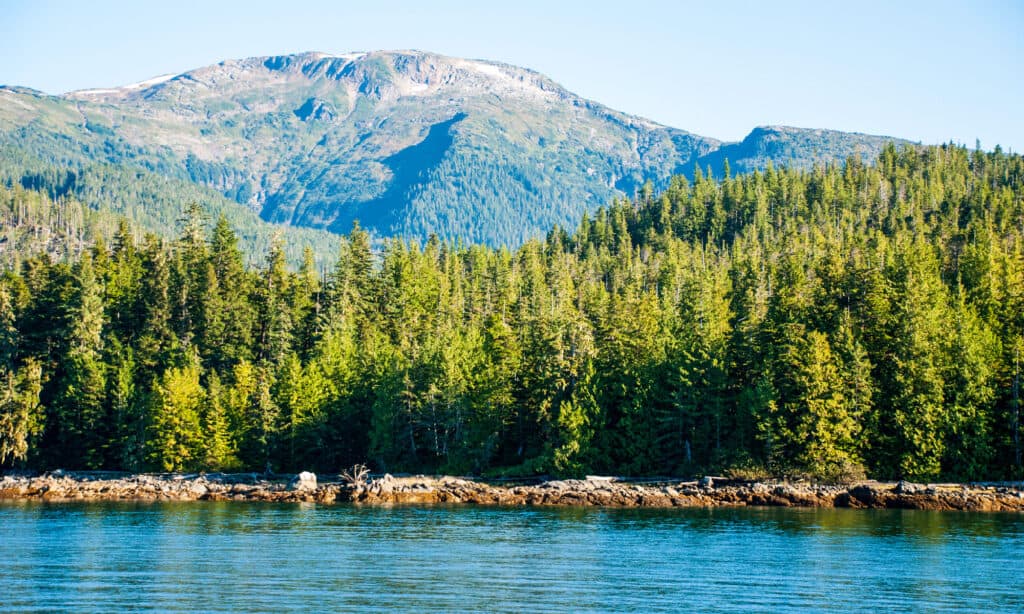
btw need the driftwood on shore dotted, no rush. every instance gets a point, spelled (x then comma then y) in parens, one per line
(88, 486)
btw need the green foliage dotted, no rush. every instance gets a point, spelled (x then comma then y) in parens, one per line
(826, 429)
(218, 449)
(574, 435)
(837, 322)
(80, 412)
(20, 412)
(48, 207)
(175, 439)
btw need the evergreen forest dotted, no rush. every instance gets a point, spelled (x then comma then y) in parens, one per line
(836, 322)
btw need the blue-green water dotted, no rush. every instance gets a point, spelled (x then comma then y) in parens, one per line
(253, 557)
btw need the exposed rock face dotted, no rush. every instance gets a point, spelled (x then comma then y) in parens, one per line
(95, 486)
(316, 110)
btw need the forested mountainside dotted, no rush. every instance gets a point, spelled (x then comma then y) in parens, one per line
(409, 143)
(842, 320)
(32, 224)
(57, 221)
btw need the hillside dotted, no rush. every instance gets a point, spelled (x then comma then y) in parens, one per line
(409, 143)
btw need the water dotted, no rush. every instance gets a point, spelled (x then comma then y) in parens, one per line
(255, 557)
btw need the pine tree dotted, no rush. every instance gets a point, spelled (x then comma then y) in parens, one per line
(230, 321)
(125, 448)
(970, 394)
(8, 329)
(21, 418)
(157, 347)
(218, 449)
(273, 317)
(827, 427)
(175, 437)
(575, 423)
(301, 394)
(919, 411)
(255, 415)
(80, 410)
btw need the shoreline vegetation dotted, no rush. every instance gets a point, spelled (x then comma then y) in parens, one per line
(61, 487)
(845, 322)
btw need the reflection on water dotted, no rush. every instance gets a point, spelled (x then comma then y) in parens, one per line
(231, 556)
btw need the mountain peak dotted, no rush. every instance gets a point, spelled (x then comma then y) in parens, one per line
(408, 142)
(384, 75)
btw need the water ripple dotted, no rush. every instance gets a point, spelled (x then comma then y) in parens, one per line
(227, 557)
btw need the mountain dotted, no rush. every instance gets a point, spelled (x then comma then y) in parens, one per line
(407, 142)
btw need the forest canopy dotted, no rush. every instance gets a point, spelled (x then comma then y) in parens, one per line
(846, 320)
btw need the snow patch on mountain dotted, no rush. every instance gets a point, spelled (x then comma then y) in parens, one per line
(141, 85)
(487, 69)
(351, 56)
(124, 89)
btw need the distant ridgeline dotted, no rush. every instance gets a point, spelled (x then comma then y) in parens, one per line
(831, 322)
(409, 143)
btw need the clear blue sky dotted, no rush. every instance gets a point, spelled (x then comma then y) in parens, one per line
(929, 71)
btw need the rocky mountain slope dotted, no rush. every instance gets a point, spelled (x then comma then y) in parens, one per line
(407, 142)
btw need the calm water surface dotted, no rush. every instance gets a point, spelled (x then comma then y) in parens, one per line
(253, 557)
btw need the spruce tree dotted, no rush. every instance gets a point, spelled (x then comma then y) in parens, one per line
(175, 435)
(82, 426)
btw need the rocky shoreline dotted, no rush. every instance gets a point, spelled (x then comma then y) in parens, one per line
(60, 486)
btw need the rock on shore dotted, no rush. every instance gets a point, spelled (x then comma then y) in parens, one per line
(99, 486)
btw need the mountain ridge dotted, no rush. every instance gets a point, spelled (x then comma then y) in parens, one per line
(320, 140)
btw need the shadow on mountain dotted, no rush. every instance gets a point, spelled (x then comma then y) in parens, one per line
(409, 167)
